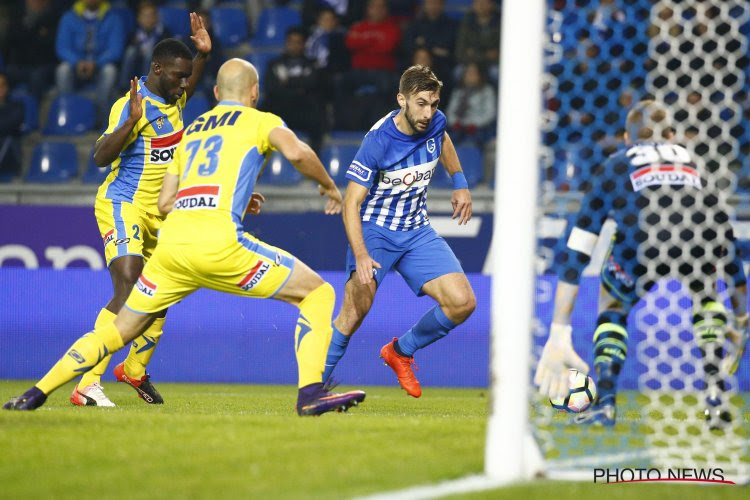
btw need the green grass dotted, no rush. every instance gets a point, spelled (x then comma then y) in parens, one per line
(238, 441)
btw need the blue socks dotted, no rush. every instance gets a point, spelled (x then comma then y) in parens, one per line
(336, 350)
(433, 326)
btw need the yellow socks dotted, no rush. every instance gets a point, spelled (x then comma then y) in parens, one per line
(95, 374)
(142, 349)
(313, 334)
(84, 354)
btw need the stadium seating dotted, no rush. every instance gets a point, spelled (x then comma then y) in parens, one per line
(70, 114)
(230, 25)
(176, 19)
(471, 163)
(260, 60)
(336, 159)
(273, 25)
(31, 111)
(279, 172)
(94, 174)
(196, 106)
(127, 17)
(53, 162)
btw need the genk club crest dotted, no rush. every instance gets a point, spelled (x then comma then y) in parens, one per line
(431, 145)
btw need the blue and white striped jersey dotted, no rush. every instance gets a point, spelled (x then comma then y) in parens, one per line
(397, 168)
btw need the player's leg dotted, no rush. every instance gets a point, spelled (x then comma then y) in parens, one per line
(358, 298)
(82, 356)
(429, 268)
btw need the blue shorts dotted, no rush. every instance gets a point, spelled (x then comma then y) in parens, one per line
(420, 255)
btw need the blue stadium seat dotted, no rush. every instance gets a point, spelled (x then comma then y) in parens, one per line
(337, 159)
(94, 174)
(280, 172)
(260, 60)
(273, 25)
(70, 114)
(196, 106)
(471, 163)
(30, 113)
(176, 19)
(53, 162)
(127, 17)
(230, 25)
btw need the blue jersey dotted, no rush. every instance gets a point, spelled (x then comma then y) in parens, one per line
(670, 221)
(397, 169)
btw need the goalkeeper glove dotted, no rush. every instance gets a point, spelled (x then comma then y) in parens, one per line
(557, 357)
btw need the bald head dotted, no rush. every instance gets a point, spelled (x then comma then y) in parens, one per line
(237, 81)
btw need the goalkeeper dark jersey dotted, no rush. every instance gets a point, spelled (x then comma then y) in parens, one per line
(670, 222)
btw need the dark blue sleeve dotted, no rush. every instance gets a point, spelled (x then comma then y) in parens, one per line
(581, 237)
(366, 162)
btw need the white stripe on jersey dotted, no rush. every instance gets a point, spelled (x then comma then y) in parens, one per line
(399, 210)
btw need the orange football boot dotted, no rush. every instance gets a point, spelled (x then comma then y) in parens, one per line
(402, 366)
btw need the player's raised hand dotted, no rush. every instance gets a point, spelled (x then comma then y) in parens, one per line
(333, 205)
(256, 202)
(557, 357)
(199, 34)
(365, 268)
(136, 109)
(461, 201)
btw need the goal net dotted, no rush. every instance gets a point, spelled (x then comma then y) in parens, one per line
(600, 59)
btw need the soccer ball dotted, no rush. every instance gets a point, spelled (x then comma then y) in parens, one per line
(580, 396)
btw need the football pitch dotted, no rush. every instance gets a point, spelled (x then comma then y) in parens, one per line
(240, 441)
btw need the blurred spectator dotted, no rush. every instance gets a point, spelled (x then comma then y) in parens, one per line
(31, 45)
(479, 34)
(348, 11)
(326, 43)
(473, 107)
(365, 93)
(291, 89)
(421, 57)
(436, 32)
(149, 31)
(90, 42)
(11, 118)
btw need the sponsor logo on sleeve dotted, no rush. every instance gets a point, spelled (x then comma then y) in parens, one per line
(109, 237)
(122, 241)
(145, 286)
(254, 276)
(197, 198)
(665, 175)
(359, 171)
(162, 148)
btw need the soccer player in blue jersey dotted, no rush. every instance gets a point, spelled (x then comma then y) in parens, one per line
(385, 216)
(145, 127)
(670, 223)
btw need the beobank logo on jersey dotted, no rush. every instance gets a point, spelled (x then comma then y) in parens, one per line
(162, 148)
(197, 198)
(406, 178)
(661, 175)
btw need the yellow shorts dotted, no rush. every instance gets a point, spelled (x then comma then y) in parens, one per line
(126, 229)
(247, 267)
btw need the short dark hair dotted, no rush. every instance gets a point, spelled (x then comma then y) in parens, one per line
(297, 30)
(648, 119)
(170, 48)
(418, 79)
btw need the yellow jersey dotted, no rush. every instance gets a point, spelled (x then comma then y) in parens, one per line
(217, 164)
(138, 171)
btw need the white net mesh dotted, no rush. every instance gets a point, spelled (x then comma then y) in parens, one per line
(602, 58)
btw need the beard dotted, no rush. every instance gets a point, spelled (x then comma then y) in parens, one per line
(413, 122)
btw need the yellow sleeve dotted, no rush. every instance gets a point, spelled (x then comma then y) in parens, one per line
(174, 167)
(117, 116)
(182, 100)
(268, 122)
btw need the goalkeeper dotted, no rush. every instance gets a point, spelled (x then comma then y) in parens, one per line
(658, 199)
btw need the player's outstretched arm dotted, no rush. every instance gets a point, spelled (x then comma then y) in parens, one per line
(109, 146)
(308, 164)
(558, 355)
(202, 41)
(355, 195)
(168, 193)
(461, 198)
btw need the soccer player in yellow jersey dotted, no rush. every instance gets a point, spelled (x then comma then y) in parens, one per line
(206, 192)
(144, 129)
